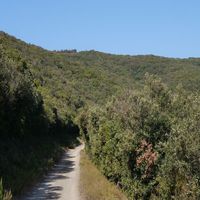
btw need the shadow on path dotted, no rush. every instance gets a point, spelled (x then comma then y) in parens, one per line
(48, 189)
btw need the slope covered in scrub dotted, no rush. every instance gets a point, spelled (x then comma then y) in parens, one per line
(136, 135)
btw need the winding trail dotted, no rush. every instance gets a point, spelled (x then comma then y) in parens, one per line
(62, 182)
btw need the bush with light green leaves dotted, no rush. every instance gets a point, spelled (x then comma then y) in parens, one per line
(147, 141)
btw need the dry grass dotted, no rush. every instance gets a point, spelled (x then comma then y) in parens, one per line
(94, 186)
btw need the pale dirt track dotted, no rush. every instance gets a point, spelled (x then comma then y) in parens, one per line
(62, 182)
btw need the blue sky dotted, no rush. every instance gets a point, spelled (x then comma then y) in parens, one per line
(161, 27)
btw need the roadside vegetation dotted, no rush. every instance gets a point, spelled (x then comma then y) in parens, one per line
(31, 139)
(147, 141)
(142, 133)
(94, 185)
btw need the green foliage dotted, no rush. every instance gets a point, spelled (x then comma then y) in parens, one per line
(147, 142)
(145, 139)
(30, 139)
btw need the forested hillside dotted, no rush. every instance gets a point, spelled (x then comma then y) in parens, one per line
(138, 131)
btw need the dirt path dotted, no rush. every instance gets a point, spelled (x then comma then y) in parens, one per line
(62, 182)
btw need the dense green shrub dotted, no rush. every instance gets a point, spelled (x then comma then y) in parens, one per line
(147, 142)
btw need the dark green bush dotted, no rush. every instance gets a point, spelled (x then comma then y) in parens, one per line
(30, 139)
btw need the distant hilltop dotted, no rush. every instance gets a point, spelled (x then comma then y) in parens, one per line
(66, 51)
